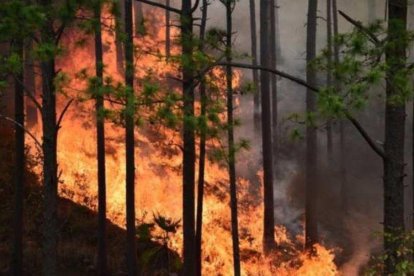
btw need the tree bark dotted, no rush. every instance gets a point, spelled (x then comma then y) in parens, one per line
(394, 135)
(371, 10)
(230, 141)
(30, 83)
(186, 19)
(138, 18)
(311, 226)
(120, 29)
(202, 154)
(17, 261)
(274, 57)
(50, 223)
(167, 31)
(329, 141)
(100, 133)
(269, 221)
(130, 141)
(256, 97)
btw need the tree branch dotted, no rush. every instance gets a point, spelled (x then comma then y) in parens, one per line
(361, 27)
(155, 4)
(22, 127)
(63, 113)
(378, 150)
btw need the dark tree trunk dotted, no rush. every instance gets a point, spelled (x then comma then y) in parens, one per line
(269, 221)
(394, 135)
(202, 154)
(30, 83)
(100, 131)
(329, 74)
(50, 223)
(230, 137)
(279, 58)
(167, 31)
(256, 101)
(188, 139)
(311, 227)
(130, 141)
(17, 262)
(138, 18)
(273, 65)
(120, 29)
(342, 136)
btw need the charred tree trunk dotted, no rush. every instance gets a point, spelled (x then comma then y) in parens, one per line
(202, 154)
(17, 261)
(30, 83)
(256, 101)
(168, 31)
(230, 141)
(269, 221)
(50, 223)
(100, 132)
(186, 19)
(329, 74)
(120, 29)
(394, 135)
(130, 141)
(273, 65)
(311, 227)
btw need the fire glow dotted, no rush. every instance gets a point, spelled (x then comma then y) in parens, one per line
(158, 184)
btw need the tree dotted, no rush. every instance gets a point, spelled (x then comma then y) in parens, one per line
(186, 20)
(130, 140)
(255, 63)
(29, 83)
(311, 226)
(100, 131)
(138, 18)
(230, 139)
(329, 72)
(273, 64)
(394, 130)
(120, 30)
(17, 262)
(202, 150)
(269, 221)
(167, 31)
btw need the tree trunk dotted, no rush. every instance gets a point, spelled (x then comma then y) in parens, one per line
(311, 227)
(269, 221)
(394, 135)
(202, 154)
(273, 65)
(231, 147)
(167, 31)
(329, 74)
(130, 141)
(188, 138)
(17, 262)
(50, 223)
(120, 29)
(30, 83)
(138, 18)
(372, 10)
(256, 97)
(100, 131)
(342, 136)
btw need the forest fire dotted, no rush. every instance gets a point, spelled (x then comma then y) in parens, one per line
(158, 181)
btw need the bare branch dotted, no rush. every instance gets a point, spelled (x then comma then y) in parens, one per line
(361, 27)
(22, 127)
(63, 113)
(155, 4)
(378, 150)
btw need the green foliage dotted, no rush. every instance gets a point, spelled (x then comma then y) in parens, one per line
(404, 264)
